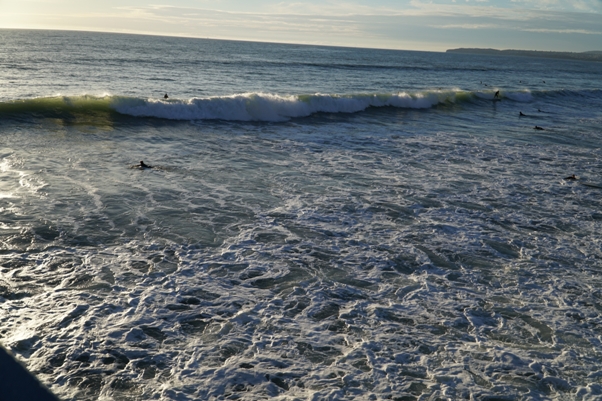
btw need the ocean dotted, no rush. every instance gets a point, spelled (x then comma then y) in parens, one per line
(319, 223)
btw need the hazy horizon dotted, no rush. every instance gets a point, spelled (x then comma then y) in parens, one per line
(293, 43)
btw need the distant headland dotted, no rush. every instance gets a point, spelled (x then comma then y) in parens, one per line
(585, 56)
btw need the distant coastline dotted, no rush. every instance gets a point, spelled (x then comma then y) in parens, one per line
(585, 56)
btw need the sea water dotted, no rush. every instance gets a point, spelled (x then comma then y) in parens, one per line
(319, 223)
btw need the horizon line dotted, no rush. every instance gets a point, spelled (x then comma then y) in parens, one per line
(216, 38)
(136, 33)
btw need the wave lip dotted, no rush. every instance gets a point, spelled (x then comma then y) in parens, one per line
(270, 107)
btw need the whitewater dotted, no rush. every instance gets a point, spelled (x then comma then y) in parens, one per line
(249, 106)
(319, 223)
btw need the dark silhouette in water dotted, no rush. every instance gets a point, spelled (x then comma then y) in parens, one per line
(497, 95)
(141, 166)
(520, 114)
(166, 97)
(18, 383)
(538, 128)
(572, 177)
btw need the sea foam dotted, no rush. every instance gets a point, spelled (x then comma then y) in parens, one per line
(266, 107)
(271, 107)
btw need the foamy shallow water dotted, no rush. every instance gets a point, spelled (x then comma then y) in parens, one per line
(355, 267)
(382, 251)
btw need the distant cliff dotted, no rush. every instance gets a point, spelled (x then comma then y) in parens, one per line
(585, 56)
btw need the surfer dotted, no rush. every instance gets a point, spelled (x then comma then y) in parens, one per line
(520, 114)
(538, 128)
(144, 165)
(497, 95)
(166, 97)
(572, 177)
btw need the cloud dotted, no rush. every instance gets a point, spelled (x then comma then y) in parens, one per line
(410, 24)
(593, 6)
(498, 27)
(353, 26)
(414, 7)
(467, 26)
(564, 31)
(326, 8)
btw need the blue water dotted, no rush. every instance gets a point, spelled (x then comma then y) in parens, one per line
(319, 223)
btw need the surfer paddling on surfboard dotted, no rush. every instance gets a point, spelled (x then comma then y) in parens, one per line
(141, 166)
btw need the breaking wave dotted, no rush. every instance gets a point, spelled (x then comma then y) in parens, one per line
(261, 106)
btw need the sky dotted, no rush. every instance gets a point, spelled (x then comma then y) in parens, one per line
(432, 25)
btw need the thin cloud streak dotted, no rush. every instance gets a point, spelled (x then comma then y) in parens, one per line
(578, 31)
(590, 6)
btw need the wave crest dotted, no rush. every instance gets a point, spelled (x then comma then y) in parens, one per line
(270, 107)
(262, 106)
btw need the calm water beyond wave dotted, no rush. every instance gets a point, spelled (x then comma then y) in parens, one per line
(319, 223)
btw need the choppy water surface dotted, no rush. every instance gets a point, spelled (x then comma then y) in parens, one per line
(319, 223)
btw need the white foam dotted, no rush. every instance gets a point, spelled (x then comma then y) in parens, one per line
(524, 96)
(271, 107)
(342, 261)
